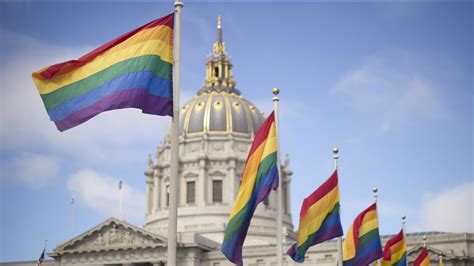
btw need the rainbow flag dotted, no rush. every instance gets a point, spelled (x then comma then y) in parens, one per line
(423, 259)
(260, 175)
(131, 71)
(395, 251)
(362, 244)
(319, 218)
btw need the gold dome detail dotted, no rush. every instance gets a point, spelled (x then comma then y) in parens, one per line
(218, 108)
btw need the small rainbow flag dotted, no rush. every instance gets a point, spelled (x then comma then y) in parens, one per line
(423, 259)
(362, 244)
(395, 251)
(319, 218)
(259, 177)
(131, 71)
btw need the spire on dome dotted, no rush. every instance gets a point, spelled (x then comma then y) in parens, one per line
(219, 29)
(219, 47)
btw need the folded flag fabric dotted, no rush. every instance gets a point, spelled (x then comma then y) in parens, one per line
(362, 244)
(319, 218)
(395, 251)
(131, 71)
(423, 259)
(260, 175)
(41, 258)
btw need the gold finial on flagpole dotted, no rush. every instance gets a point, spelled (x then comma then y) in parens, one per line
(424, 241)
(275, 91)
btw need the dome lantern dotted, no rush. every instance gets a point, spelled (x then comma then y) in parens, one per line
(219, 76)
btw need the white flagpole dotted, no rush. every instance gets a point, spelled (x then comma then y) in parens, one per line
(404, 227)
(173, 196)
(335, 152)
(73, 203)
(375, 190)
(279, 227)
(120, 200)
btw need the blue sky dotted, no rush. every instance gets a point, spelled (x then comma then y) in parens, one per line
(390, 84)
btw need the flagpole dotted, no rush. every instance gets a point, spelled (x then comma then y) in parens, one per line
(73, 204)
(375, 190)
(404, 227)
(279, 228)
(424, 241)
(173, 197)
(120, 200)
(440, 256)
(335, 152)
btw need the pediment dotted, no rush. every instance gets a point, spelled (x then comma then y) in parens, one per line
(112, 234)
(432, 252)
(190, 175)
(217, 173)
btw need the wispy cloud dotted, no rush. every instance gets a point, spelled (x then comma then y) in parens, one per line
(33, 170)
(452, 210)
(392, 88)
(100, 192)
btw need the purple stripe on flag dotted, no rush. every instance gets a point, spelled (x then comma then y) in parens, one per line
(131, 98)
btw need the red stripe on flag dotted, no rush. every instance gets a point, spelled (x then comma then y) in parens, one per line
(70, 65)
(358, 222)
(262, 133)
(387, 252)
(319, 193)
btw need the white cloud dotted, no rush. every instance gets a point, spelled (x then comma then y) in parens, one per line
(451, 210)
(100, 192)
(393, 88)
(33, 170)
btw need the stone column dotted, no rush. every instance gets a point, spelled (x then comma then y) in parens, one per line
(288, 196)
(231, 182)
(156, 191)
(201, 191)
(149, 203)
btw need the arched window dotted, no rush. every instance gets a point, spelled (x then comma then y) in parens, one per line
(216, 72)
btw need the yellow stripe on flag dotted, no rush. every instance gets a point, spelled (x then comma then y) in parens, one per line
(131, 48)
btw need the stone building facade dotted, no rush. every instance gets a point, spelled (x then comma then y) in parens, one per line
(217, 128)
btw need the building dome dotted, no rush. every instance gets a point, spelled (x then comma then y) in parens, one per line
(217, 128)
(219, 113)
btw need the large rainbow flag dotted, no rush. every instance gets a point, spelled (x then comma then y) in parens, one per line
(362, 244)
(423, 259)
(131, 71)
(319, 218)
(395, 251)
(259, 177)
